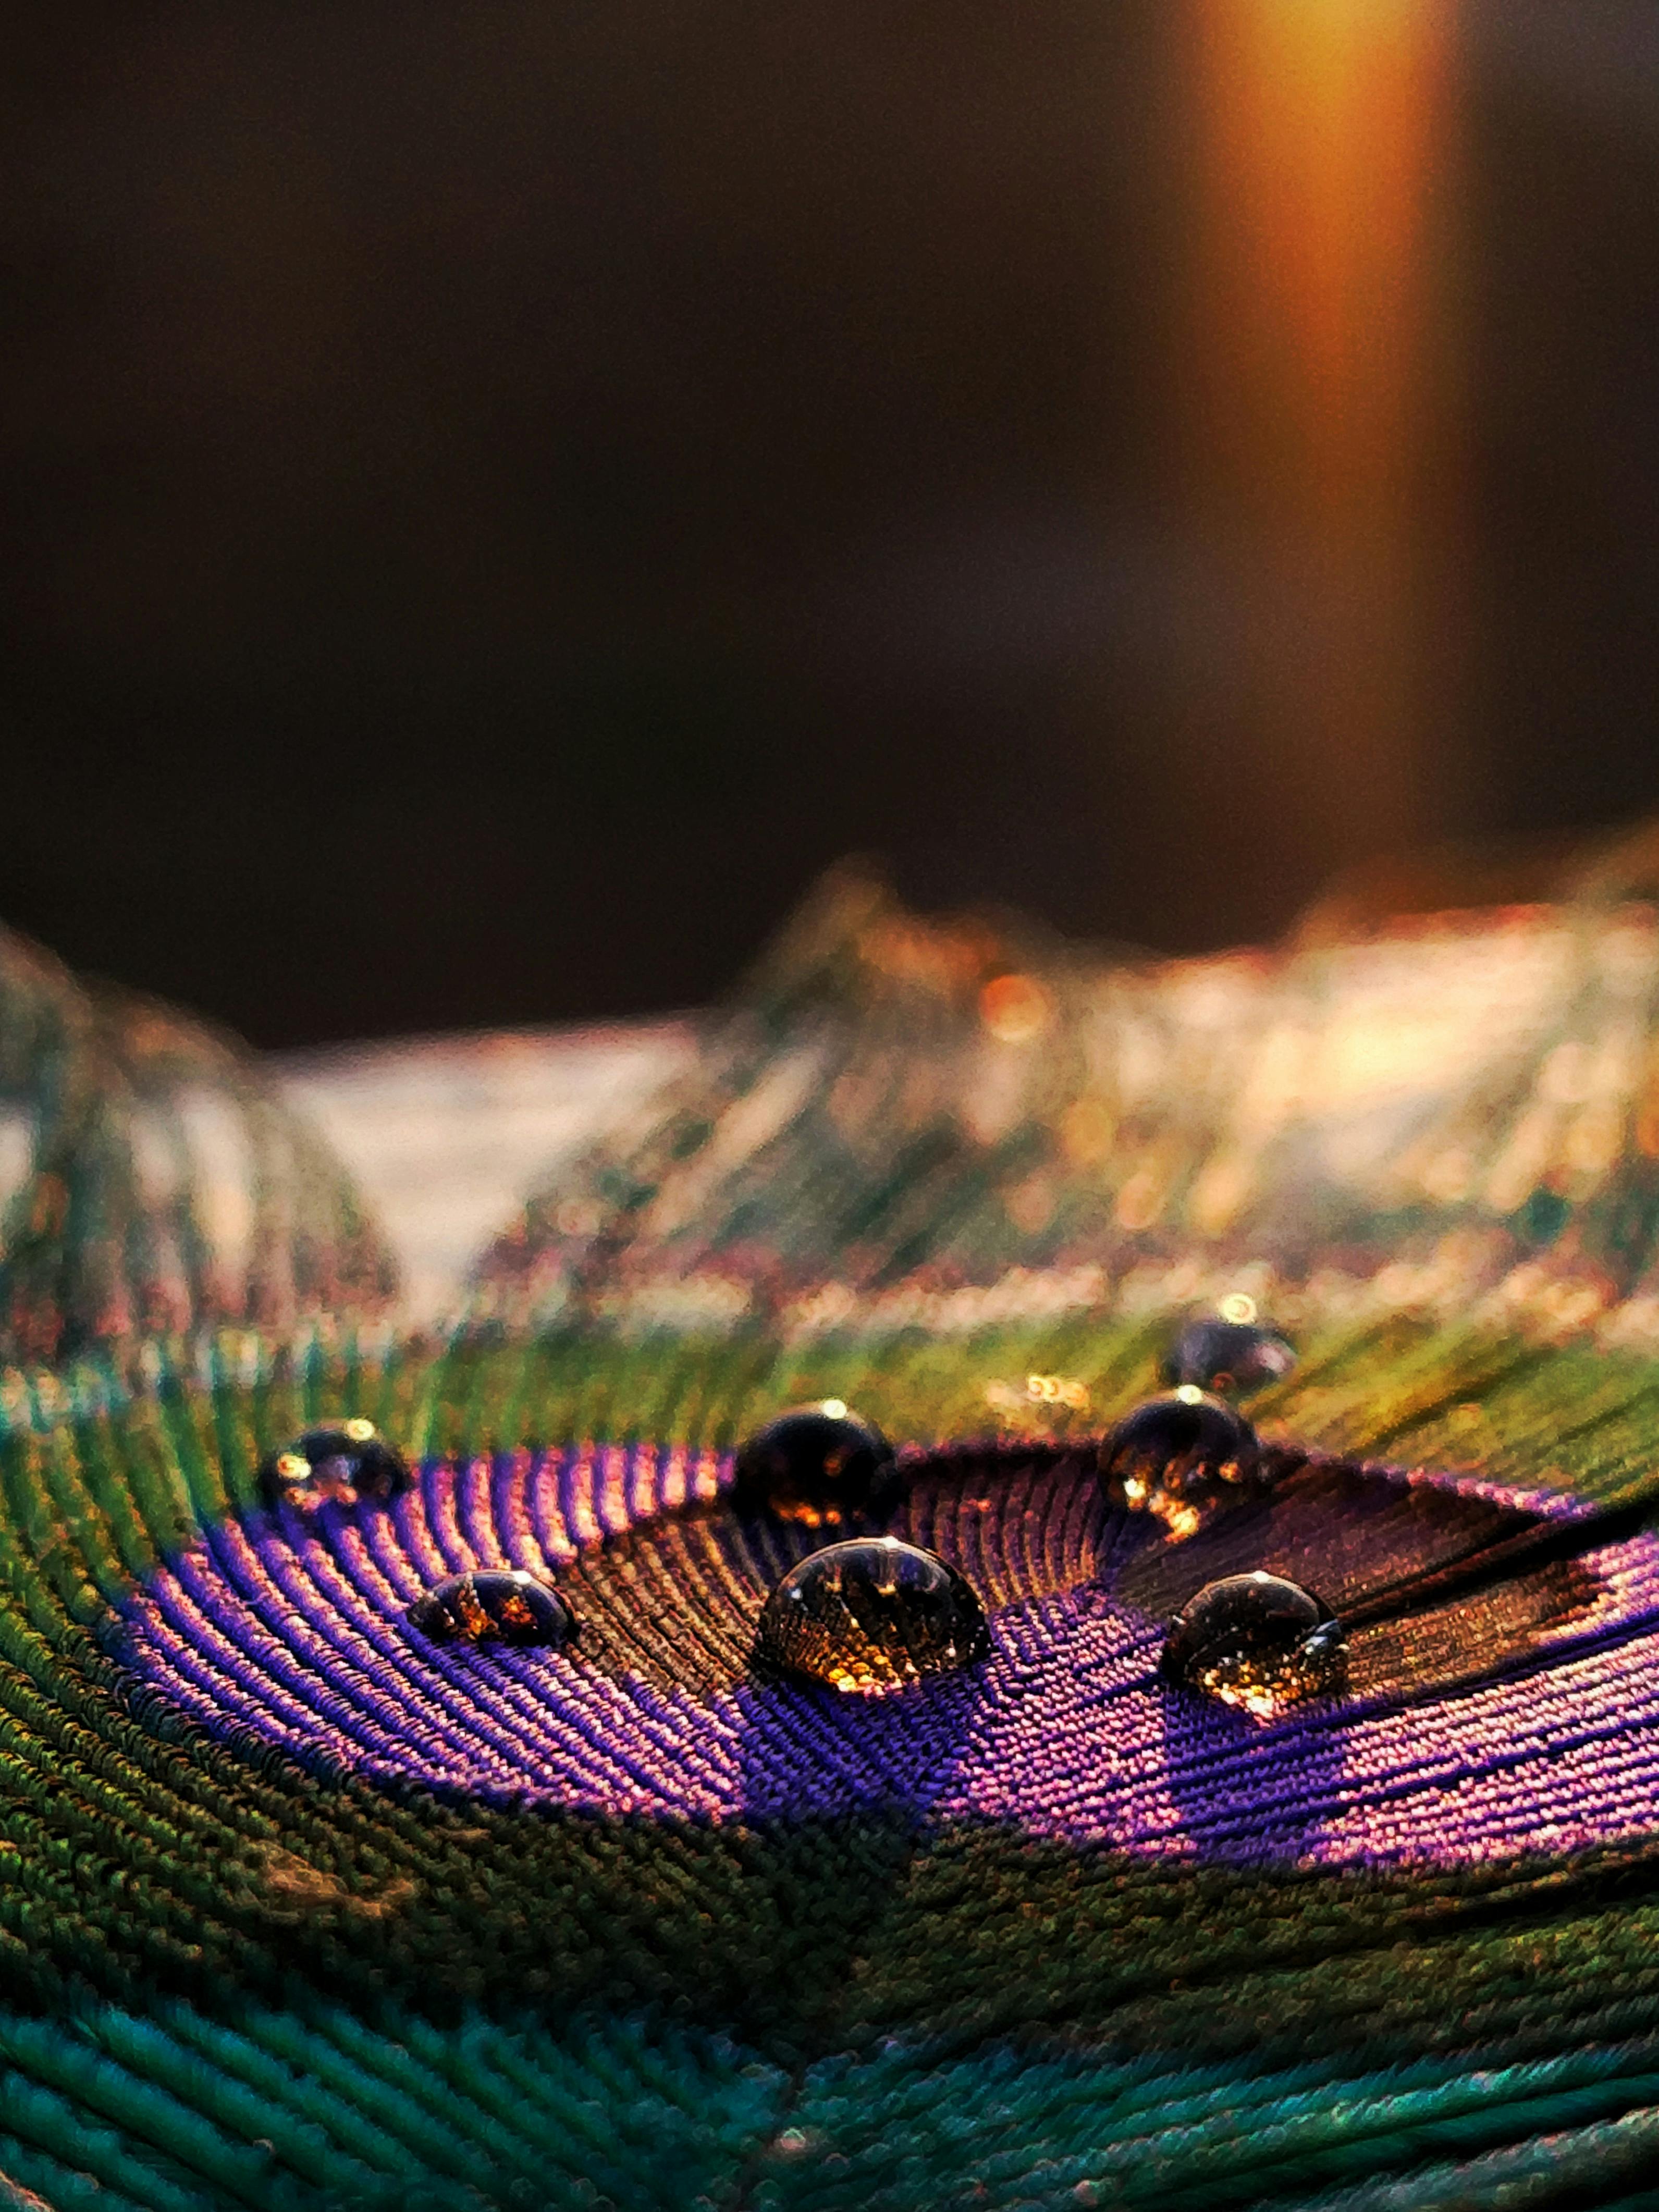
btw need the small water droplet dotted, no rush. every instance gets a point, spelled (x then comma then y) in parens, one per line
(1228, 1355)
(872, 1615)
(492, 1604)
(337, 1466)
(820, 1467)
(1258, 1643)
(1180, 1457)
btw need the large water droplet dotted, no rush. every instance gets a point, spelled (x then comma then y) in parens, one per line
(1180, 1457)
(1228, 1355)
(1256, 1641)
(820, 1467)
(872, 1615)
(492, 1604)
(337, 1466)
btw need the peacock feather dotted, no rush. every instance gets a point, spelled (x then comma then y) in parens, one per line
(299, 1908)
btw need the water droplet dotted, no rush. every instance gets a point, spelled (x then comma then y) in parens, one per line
(1256, 1641)
(820, 1467)
(492, 1604)
(872, 1615)
(1180, 1457)
(338, 1466)
(1228, 1355)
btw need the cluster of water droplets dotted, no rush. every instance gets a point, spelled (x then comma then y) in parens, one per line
(869, 1615)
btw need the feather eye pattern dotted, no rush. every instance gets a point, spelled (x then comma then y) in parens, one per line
(1434, 1585)
(1050, 1896)
(292, 1626)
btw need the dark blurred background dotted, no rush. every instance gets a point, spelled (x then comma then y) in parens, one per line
(497, 497)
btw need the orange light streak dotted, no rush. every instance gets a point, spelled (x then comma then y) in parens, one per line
(1318, 398)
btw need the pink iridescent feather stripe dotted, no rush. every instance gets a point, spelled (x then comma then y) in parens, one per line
(292, 1632)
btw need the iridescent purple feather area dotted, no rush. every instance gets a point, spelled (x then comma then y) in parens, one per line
(291, 1630)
